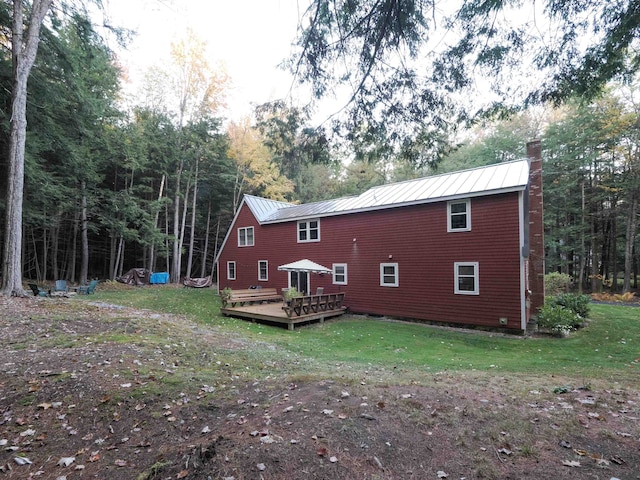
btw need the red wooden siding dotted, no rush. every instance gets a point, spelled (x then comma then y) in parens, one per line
(414, 237)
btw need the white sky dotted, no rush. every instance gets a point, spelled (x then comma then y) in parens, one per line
(250, 37)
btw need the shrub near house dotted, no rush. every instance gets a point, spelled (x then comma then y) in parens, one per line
(564, 313)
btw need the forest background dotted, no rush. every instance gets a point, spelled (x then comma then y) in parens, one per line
(114, 181)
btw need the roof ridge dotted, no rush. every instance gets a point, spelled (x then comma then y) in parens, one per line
(455, 172)
(459, 184)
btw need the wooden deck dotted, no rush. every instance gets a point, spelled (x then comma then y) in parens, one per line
(273, 312)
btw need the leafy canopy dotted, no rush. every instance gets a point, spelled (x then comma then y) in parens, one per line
(414, 70)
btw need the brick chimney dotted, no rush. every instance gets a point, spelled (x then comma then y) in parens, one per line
(536, 227)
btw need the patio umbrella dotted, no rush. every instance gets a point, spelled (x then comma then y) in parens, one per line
(304, 265)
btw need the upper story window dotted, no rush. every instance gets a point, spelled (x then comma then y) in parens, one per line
(389, 275)
(340, 273)
(309, 231)
(459, 216)
(245, 237)
(263, 270)
(466, 278)
(231, 270)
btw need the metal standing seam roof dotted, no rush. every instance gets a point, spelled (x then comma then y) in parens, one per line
(491, 179)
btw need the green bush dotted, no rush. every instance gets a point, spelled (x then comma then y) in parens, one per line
(579, 304)
(225, 295)
(556, 283)
(291, 293)
(558, 319)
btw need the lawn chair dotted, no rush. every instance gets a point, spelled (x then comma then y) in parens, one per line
(37, 291)
(87, 289)
(61, 286)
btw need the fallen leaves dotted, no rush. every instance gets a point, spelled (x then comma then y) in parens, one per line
(334, 427)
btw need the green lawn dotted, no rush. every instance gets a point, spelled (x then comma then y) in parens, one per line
(609, 347)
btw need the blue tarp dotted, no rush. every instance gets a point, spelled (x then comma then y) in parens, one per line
(159, 277)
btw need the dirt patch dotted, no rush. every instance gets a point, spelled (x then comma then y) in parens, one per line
(97, 391)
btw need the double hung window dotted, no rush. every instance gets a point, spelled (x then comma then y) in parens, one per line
(389, 276)
(231, 270)
(459, 216)
(245, 237)
(339, 273)
(466, 278)
(263, 270)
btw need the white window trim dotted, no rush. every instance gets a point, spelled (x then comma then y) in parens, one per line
(397, 275)
(229, 277)
(253, 238)
(266, 279)
(343, 265)
(476, 278)
(308, 230)
(468, 204)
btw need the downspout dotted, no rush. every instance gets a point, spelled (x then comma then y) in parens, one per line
(524, 259)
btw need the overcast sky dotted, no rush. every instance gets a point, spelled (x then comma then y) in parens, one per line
(250, 37)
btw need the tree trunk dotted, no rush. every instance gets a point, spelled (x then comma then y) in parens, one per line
(35, 256)
(55, 242)
(152, 248)
(45, 255)
(215, 250)
(237, 189)
(183, 223)
(583, 246)
(193, 222)
(74, 250)
(166, 238)
(118, 264)
(121, 246)
(632, 226)
(203, 267)
(23, 56)
(176, 265)
(596, 278)
(84, 226)
(112, 255)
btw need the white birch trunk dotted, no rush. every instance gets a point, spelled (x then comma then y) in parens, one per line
(193, 222)
(23, 56)
(203, 268)
(152, 249)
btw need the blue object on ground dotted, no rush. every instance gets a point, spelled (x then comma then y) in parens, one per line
(159, 277)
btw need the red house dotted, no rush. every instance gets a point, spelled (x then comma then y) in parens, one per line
(461, 248)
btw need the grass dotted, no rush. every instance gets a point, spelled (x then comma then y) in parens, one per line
(607, 347)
